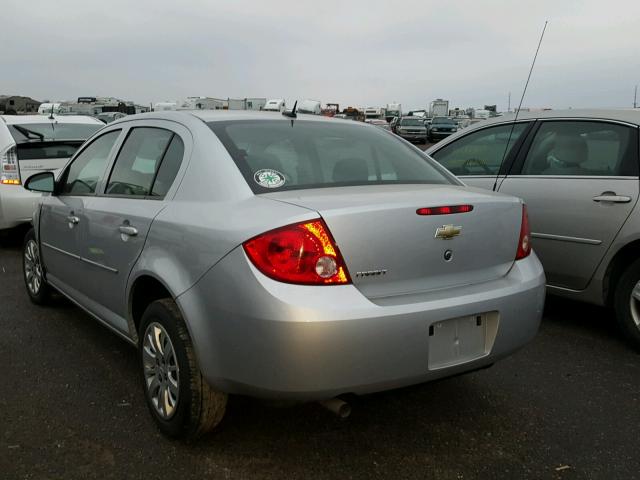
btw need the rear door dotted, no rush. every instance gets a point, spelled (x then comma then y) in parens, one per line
(580, 181)
(62, 215)
(478, 157)
(119, 218)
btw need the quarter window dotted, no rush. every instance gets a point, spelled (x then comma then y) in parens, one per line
(481, 152)
(168, 168)
(87, 168)
(582, 148)
(138, 161)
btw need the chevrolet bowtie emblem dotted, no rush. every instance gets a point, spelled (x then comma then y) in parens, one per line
(447, 232)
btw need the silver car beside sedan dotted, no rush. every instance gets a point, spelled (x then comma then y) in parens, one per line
(288, 257)
(577, 171)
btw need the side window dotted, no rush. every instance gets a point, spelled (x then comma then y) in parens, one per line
(583, 148)
(87, 168)
(138, 161)
(168, 168)
(481, 152)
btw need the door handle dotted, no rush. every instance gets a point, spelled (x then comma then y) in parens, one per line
(128, 230)
(611, 197)
(73, 220)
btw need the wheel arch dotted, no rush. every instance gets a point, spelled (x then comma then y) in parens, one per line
(145, 288)
(618, 264)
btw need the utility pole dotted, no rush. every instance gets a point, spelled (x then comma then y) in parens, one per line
(635, 97)
(509, 103)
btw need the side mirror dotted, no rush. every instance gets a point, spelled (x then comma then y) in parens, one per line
(41, 182)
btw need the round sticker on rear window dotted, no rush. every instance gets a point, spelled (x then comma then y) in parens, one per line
(268, 178)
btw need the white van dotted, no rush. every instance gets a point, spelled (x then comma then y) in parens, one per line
(49, 108)
(275, 105)
(309, 106)
(31, 144)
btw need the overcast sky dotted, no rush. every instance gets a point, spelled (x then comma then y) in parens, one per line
(363, 52)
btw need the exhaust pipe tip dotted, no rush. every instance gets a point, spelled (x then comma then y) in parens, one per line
(337, 406)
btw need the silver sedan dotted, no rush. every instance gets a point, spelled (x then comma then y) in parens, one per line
(280, 257)
(578, 173)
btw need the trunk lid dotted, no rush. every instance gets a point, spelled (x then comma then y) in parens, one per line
(391, 250)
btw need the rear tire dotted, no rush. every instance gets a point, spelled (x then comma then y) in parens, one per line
(33, 270)
(180, 400)
(626, 303)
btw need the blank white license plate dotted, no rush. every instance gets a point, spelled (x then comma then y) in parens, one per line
(460, 340)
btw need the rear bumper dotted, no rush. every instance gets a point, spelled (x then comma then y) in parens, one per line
(16, 205)
(264, 338)
(433, 134)
(413, 136)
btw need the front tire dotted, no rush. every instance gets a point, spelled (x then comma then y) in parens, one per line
(627, 303)
(180, 400)
(33, 270)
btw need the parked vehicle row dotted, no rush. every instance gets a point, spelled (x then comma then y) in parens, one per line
(229, 247)
(293, 257)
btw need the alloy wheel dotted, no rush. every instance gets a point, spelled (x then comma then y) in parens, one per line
(161, 371)
(32, 267)
(635, 304)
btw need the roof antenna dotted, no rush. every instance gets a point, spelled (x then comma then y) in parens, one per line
(504, 154)
(291, 113)
(51, 117)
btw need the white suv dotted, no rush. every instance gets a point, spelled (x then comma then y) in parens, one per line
(30, 144)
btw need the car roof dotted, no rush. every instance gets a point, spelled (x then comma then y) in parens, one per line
(628, 115)
(24, 119)
(228, 115)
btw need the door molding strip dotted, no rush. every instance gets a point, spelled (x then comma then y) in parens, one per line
(564, 238)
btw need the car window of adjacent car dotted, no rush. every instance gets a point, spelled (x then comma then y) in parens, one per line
(279, 154)
(582, 148)
(54, 130)
(82, 176)
(480, 152)
(139, 160)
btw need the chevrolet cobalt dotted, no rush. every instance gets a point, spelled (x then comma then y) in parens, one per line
(280, 257)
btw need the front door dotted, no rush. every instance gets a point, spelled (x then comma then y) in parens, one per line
(62, 217)
(579, 180)
(481, 155)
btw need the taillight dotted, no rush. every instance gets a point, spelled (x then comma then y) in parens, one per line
(302, 253)
(524, 242)
(9, 173)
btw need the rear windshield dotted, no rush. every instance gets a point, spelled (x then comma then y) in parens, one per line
(285, 155)
(443, 120)
(53, 131)
(47, 150)
(412, 122)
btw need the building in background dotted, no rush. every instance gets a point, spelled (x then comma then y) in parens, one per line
(96, 105)
(246, 103)
(16, 105)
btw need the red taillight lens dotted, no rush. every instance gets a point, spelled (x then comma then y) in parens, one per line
(446, 210)
(524, 242)
(302, 253)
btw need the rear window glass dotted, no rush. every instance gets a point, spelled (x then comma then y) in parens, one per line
(415, 122)
(53, 131)
(443, 120)
(285, 155)
(47, 150)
